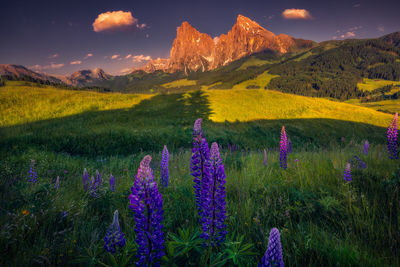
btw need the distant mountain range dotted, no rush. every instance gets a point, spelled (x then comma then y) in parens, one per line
(248, 56)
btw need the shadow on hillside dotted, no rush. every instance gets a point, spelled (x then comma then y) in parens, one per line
(168, 119)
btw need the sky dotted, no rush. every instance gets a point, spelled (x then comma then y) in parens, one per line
(60, 37)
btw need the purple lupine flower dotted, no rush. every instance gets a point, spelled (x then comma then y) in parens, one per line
(347, 172)
(146, 203)
(265, 162)
(283, 149)
(85, 179)
(114, 237)
(93, 187)
(289, 148)
(273, 256)
(98, 179)
(112, 183)
(392, 138)
(57, 185)
(213, 200)
(357, 163)
(164, 167)
(366, 147)
(32, 173)
(199, 162)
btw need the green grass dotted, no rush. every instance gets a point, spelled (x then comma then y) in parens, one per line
(22, 102)
(260, 81)
(372, 84)
(249, 105)
(179, 83)
(254, 61)
(323, 220)
(303, 56)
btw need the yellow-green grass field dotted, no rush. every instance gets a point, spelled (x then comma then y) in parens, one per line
(179, 83)
(253, 61)
(248, 105)
(261, 80)
(391, 106)
(20, 103)
(304, 56)
(372, 84)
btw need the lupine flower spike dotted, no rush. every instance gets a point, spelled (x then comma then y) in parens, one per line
(146, 203)
(283, 149)
(57, 185)
(114, 237)
(112, 183)
(265, 162)
(199, 162)
(85, 179)
(347, 172)
(392, 138)
(366, 147)
(32, 172)
(164, 167)
(213, 200)
(98, 179)
(93, 187)
(273, 256)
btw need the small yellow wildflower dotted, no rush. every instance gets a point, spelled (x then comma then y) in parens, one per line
(25, 212)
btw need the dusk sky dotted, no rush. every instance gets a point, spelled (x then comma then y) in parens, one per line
(60, 37)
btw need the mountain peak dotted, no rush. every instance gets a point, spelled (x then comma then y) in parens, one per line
(246, 23)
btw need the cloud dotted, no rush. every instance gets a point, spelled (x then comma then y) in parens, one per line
(147, 35)
(334, 37)
(356, 5)
(141, 58)
(88, 56)
(116, 21)
(114, 56)
(294, 13)
(77, 62)
(381, 28)
(46, 67)
(126, 70)
(350, 34)
(128, 56)
(141, 26)
(53, 56)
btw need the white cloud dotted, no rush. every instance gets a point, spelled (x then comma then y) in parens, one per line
(381, 28)
(357, 5)
(141, 58)
(350, 34)
(77, 62)
(116, 21)
(294, 13)
(114, 56)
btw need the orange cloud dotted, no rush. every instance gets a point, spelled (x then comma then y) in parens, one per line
(53, 56)
(350, 34)
(46, 67)
(75, 62)
(128, 56)
(294, 13)
(116, 20)
(126, 70)
(140, 58)
(115, 56)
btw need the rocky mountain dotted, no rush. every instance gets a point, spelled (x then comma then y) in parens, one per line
(192, 50)
(79, 78)
(20, 72)
(86, 77)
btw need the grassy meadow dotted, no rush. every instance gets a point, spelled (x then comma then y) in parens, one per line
(323, 220)
(372, 84)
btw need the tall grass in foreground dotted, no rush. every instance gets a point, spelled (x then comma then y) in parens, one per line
(323, 220)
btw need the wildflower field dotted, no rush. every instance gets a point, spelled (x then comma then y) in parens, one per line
(151, 184)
